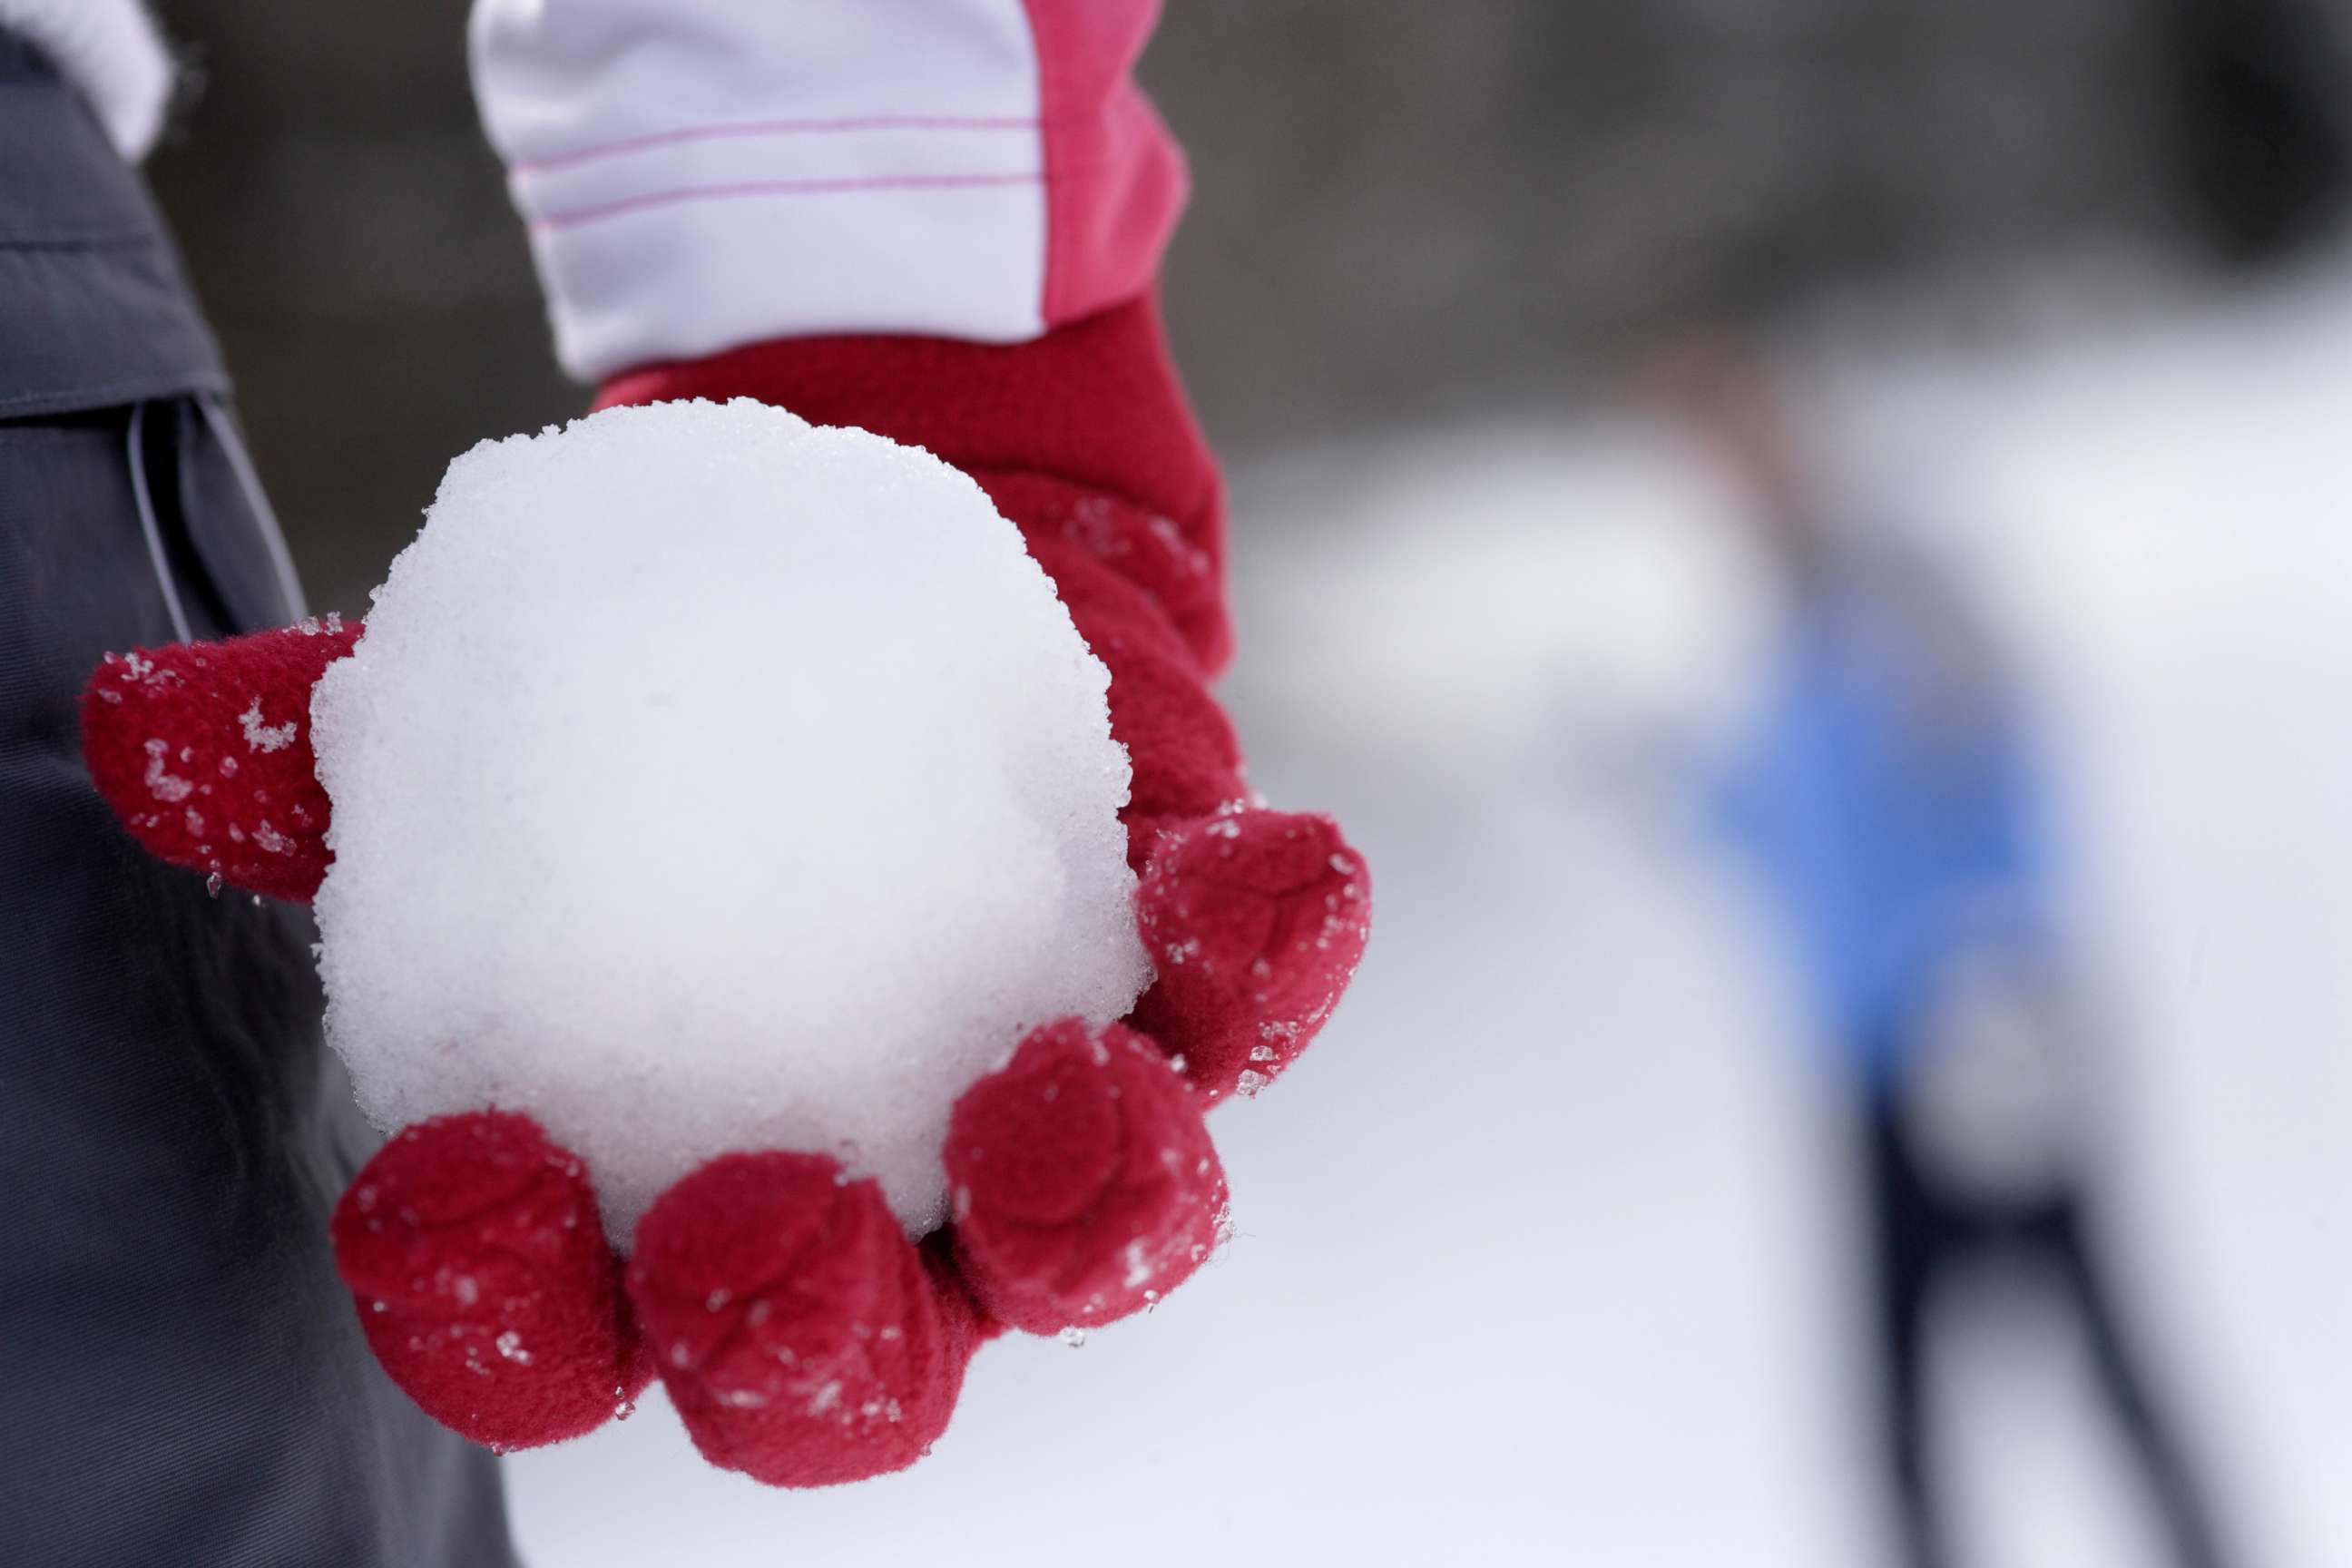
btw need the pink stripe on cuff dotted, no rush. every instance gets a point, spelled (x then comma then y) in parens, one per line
(578, 217)
(1115, 181)
(686, 133)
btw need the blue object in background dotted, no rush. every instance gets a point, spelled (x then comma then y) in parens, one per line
(1889, 796)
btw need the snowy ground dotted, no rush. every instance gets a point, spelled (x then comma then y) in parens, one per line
(1541, 1254)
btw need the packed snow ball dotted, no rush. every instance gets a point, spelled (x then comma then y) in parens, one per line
(706, 781)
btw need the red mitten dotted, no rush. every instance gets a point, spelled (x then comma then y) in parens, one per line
(1084, 440)
(471, 1245)
(803, 1339)
(1084, 1186)
(1084, 1183)
(485, 1285)
(204, 751)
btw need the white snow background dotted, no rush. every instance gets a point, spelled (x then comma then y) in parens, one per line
(1542, 1252)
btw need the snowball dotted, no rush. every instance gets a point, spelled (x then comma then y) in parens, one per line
(707, 781)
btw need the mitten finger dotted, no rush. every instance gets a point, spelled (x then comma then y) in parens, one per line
(1255, 922)
(472, 1247)
(804, 1341)
(1083, 1180)
(204, 752)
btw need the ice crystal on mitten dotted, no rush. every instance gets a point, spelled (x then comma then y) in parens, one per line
(706, 781)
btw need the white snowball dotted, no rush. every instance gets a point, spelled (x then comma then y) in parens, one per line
(710, 781)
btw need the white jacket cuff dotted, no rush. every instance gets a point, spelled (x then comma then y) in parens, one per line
(111, 53)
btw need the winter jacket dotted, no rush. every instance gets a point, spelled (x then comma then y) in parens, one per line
(702, 174)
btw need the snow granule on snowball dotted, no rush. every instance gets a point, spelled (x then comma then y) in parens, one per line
(708, 782)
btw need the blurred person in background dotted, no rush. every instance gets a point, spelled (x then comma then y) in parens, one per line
(1892, 799)
(183, 1374)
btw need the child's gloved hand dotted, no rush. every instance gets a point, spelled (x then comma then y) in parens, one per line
(803, 1338)
(1083, 441)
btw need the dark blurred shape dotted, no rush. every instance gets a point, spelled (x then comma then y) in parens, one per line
(1893, 799)
(349, 234)
(2257, 90)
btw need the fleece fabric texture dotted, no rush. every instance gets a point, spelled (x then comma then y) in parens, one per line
(204, 751)
(803, 1339)
(1083, 434)
(1086, 1134)
(1255, 922)
(472, 1247)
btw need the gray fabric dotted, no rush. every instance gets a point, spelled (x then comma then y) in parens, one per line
(183, 1379)
(93, 311)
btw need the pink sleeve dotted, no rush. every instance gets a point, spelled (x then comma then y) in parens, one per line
(699, 174)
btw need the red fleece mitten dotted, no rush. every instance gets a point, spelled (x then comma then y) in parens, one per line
(204, 751)
(1084, 1183)
(1084, 440)
(1087, 1133)
(483, 1281)
(803, 1339)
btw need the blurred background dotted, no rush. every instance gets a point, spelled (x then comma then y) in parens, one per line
(1613, 392)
